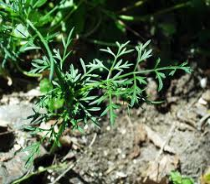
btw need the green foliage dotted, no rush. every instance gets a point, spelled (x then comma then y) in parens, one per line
(177, 178)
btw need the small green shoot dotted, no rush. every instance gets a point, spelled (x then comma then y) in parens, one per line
(177, 178)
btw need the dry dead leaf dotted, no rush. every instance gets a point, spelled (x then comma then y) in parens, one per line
(140, 137)
(135, 152)
(140, 134)
(158, 170)
(157, 140)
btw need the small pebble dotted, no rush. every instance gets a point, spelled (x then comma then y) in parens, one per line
(100, 174)
(202, 101)
(105, 153)
(123, 131)
(17, 147)
(120, 174)
(123, 156)
(203, 82)
(108, 128)
(119, 150)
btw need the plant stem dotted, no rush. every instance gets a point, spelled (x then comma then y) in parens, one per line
(60, 131)
(52, 64)
(62, 82)
(150, 71)
(146, 17)
(52, 167)
(103, 43)
(135, 5)
(75, 7)
(27, 73)
(102, 82)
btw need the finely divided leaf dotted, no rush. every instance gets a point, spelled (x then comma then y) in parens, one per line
(160, 76)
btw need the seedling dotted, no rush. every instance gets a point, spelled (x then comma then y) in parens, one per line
(69, 97)
(177, 178)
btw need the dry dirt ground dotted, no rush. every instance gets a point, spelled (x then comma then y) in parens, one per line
(144, 146)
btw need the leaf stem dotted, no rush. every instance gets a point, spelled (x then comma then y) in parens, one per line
(152, 70)
(131, 18)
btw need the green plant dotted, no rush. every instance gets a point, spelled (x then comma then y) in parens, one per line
(68, 96)
(177, 178)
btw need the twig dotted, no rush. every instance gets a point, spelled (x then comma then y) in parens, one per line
(202, 121)
(93, 140)
(132, 30)
(8, 132)
(185, 120)
(168, 138)
(71, 166)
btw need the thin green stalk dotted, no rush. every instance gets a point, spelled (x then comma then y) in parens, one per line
(135, 5)
(52, 64)
(62, 82)
(52, 167)
(112, 67)
(66, 17)
(60, 131)
(102, 82)
(175, 7)
(146, 17)
(108, 84)
(111, 109)
(150, 71)
(104, 43)
(51, 11)
(27, 73)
